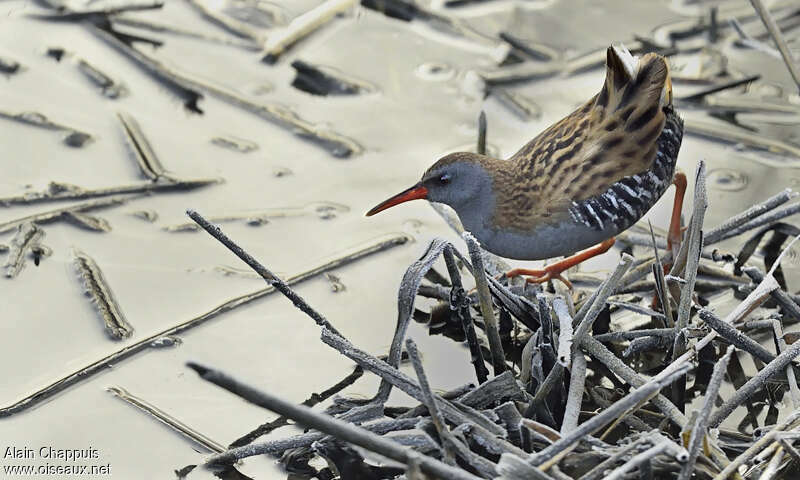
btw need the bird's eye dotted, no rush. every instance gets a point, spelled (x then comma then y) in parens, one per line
(444, 179)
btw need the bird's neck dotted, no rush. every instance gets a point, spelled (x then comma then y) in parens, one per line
(477, 214)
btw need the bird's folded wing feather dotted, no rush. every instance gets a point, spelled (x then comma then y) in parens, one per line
(611, 136)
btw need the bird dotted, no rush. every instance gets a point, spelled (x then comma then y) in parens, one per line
(579, 183)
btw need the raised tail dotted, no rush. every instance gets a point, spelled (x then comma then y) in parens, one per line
(634, 81)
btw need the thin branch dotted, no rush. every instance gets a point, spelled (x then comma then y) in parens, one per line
(492, 332)
(701, 422)
(780, 41)
(429, 399)
(332, 426)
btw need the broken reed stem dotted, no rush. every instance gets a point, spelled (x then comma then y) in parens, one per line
(279, 446)
(512, 467)
(599, 300)
(780, 346)
(636, 397)
(786, 302)
(487, 310)
(733, 335)
(695, 239)
(755, 298)
(311, 401)
(758, 446)
(460, 302)
(412, 278)
(623, 451)
(167, 420)
(151, 341)
(28, 236)
(146, 157)
(51, 215)
(718, 233)
(577, 387)
(332, 426)
(265, 273)
(188, 88)
(626, 373)
(398, 379)
(565, 332)
(780, 41)
(632, 334)
(756, 383)
(772, 467)
(762, 220)
(75, 193)
(481, 148)
(231, 25)
(429, 399)
(96, 286)
(640, 459)
(281, 39)
(701, 422)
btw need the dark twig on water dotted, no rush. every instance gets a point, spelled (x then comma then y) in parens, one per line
(188, 88)
(73, 137)
(109, 87)
(790, 307)
(280, 39)
(231, 25)
(167, 419)
(59, 213)
(57, 191)
(272, 279)
(780, 41)
(699, 96)
(176, 30)
(523, 107)
(146, 158)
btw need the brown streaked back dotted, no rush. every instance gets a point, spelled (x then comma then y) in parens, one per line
(611, 136)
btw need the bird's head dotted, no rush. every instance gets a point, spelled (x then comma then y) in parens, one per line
(456, 179)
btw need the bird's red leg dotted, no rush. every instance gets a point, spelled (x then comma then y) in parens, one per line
(554, 271)
(674, 235)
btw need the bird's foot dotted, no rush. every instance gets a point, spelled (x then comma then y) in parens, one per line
(551, 272)
(554, 271)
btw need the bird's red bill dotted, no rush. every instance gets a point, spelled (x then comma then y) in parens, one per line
(414, 193)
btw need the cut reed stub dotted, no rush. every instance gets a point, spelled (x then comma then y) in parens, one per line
(28, 237)
(98, 290)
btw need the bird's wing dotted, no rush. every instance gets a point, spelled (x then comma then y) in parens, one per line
(611, 136)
